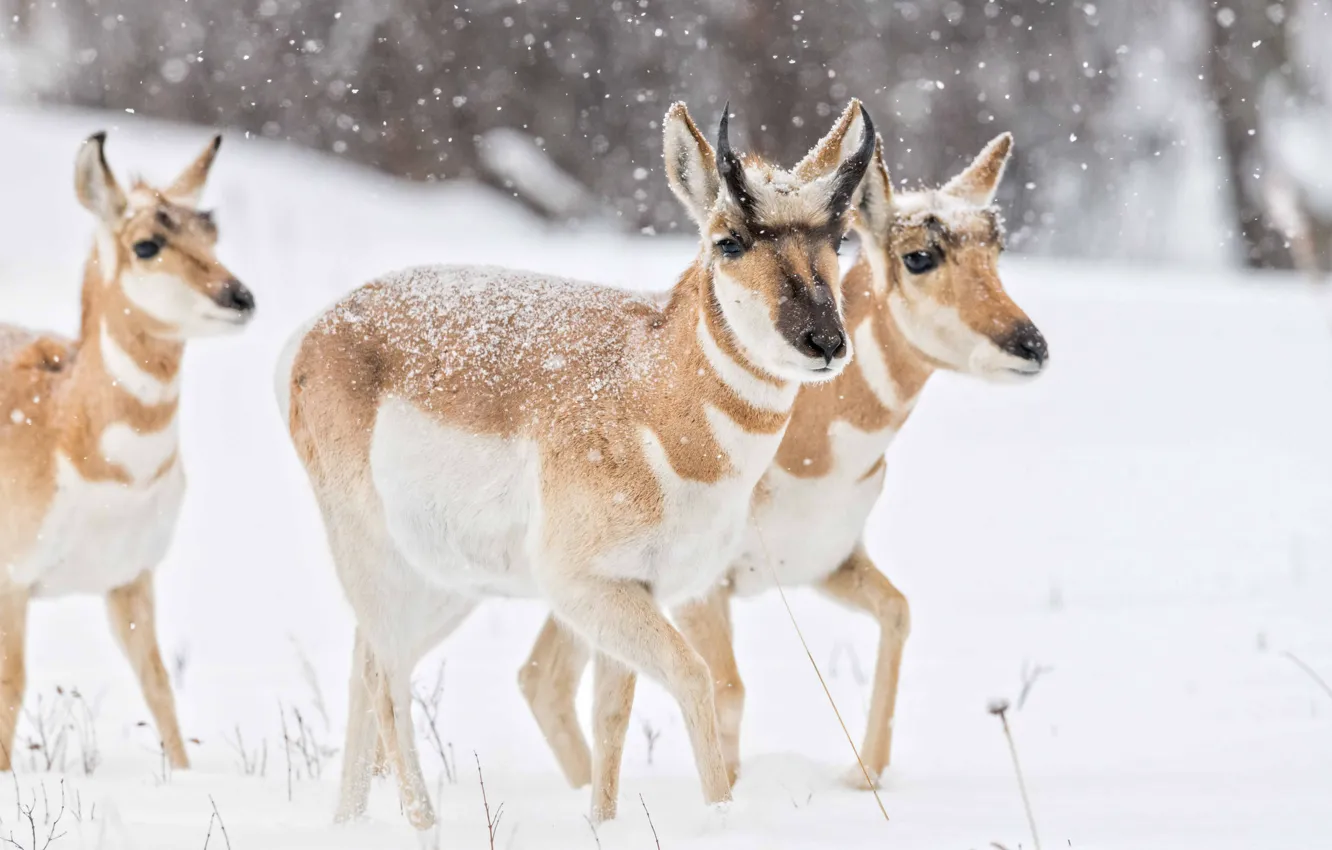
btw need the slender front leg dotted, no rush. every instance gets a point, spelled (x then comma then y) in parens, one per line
(134, 622)
(707, 626)
(364, 748)
(549, 682)
(611, 704)
(621, 619)
(13, 673)
(858, 584)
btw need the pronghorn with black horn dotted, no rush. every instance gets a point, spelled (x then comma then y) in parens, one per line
(478, 431)
(91, 479)
(923, 295)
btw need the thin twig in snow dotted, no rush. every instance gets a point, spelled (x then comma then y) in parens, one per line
(999, 708)
(592, 826)
(286, 746)
(492, 824)
(781, 591)
(1030, 673)
(650, 825)
(216, 816)
(1313, 674)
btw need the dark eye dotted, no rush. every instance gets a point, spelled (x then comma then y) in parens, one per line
(147, 249)
(730, 248)
(919, 262)
(837, 246)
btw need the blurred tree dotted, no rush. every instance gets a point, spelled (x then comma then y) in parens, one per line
(560, 101)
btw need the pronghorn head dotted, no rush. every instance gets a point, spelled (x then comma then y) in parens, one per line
(770, 240)
(159, 248)
(935, 255)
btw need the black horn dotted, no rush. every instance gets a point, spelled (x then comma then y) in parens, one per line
(852, 170)
(730, 168)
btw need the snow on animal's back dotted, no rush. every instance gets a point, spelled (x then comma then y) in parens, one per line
(508, 352)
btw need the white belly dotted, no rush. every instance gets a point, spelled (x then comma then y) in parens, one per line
(458, 506)
(807, 527)
(100, 535)
(464, 510)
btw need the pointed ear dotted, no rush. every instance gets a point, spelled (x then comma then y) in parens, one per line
(188, 187)
(840, 143)
(691, 166)
(874, 202)
(980, 180)
(94, 183)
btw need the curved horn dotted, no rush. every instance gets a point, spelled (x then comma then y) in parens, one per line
(730, 168)
(852, 170)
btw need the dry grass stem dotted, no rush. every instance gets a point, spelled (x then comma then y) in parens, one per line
(492, 824)
(650, 824)
(216, 816)
(999, 708)
(781, 591)
(1313, 674)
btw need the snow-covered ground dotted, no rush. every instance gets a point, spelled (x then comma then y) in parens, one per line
(1149, 521)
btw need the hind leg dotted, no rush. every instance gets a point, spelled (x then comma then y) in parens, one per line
(399, 618)
(859, 585)
(13, 673)
(706, 624)
(362, 752)
(549, 682)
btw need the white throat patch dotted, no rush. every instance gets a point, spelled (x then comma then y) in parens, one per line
(130, 377)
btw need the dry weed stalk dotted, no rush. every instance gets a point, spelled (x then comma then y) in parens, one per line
(429, 702)
(216, 816)
(652, 735)
(592, 826)
(999, 708)
(492, 824)
(28, 813)
(251, 763)
(1312, 673)
(650, 824)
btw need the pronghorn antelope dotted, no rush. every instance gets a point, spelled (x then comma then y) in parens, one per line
(478, 431)
(923, 295)
(90, 474)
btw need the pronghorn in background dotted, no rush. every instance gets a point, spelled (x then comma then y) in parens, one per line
(478, 431)
(90, 475)
(923, 295)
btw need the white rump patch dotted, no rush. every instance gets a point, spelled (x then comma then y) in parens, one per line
(457, 505)
(130, 377)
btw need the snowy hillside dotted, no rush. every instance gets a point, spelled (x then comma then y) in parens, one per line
(1150, 521)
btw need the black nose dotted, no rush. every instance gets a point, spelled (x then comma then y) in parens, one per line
(825, 343)
(1025, 341)
(234, 296)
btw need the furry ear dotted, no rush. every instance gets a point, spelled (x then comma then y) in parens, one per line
(978, 183)
(691, 166)
(847, 178)
(841, 142)
(188, 187)
(94, 183)
(874, 199)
